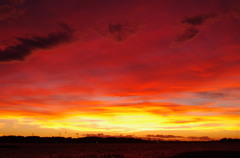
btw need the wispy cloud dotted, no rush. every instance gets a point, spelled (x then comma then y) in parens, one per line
(164, 136)
(26, 45)
(193, 26)
(199, 19)
(202, 138)
(119, 31)
(6, 11)
(10, 9)
(187, 35)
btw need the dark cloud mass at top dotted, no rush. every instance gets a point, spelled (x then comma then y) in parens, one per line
(26, 46)
(199, 19)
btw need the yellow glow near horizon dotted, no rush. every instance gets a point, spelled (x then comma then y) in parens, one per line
(131, 120)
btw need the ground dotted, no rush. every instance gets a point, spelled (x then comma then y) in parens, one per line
(144, 150)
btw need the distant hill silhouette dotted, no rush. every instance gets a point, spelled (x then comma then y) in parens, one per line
(91, 139)
(230, 140)
(209, 154)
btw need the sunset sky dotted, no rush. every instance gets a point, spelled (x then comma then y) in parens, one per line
(157, 67)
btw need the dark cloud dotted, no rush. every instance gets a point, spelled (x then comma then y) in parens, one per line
(213, 95)
(10, 9)
(6, 11)
(193, 25)
(122, 31)
(187, 35)
(119, 31)
(205, 138)
(164, 136)
(95, 135)
(199, 19)
(26, 46)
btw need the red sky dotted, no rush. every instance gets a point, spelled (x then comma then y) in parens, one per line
(120, 67)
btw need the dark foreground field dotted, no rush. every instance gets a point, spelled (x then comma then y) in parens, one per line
(143, 150)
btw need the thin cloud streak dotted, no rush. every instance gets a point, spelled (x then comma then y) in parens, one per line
(165, 136)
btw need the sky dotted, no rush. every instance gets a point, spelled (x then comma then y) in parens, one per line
(163, 68)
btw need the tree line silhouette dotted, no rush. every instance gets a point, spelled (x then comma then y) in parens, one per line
(37, 139)
(92, 139)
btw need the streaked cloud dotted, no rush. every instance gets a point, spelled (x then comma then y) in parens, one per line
(199, 20)
(165, 136)
(27, 45)
(204, 138)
